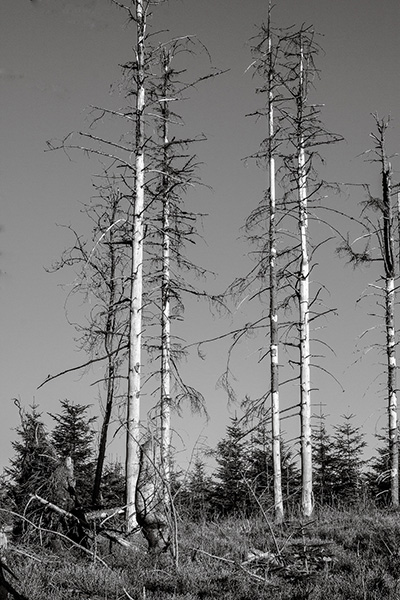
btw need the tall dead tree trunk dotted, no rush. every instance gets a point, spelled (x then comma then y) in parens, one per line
(273, 310)
(165, 292)
(136, 275)
(294, 139)
(392, 397)
(388, 251)
(305, 392)
(303, 133)
(383, 230)
(304, 298)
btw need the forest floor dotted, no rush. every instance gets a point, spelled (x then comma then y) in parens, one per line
(340, 554)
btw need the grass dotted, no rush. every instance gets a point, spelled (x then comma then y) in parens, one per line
(346, 555)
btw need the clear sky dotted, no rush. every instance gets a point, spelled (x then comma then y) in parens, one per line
(59, 56)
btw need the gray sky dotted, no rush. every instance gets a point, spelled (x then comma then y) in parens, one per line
(59, 56)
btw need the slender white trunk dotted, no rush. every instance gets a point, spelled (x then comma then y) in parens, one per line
(135, 322)
(166, 360)
(166, 303)
(390, 264)
(305, 393)
(273, 313)
(392, 398)
(390, 270)
(398, 228)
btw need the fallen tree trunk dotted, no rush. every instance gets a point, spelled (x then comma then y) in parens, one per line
(85, 523)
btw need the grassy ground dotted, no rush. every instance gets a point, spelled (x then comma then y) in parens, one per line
(340, 555)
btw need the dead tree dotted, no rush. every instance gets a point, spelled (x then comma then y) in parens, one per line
(151, 169)
(295, 134)
(266, 52)
(378, 216)
(305, 133)
(171, 228)
(99, 267)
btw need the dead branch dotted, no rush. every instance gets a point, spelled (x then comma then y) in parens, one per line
(55, 508)
(82, 366)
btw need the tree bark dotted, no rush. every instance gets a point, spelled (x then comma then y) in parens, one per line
(96, 494)
(273, 313)
(150, 506)
(390, 272)
(391, 385)
(135, 317)
(166, 297)
(111, 361)
(304, 275)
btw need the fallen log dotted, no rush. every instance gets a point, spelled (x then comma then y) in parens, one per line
(85, 523)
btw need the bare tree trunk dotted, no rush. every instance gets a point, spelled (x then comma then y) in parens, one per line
(398, 226)
(386, 239)
(390, 271)
(392, 398)
(166, 297)
(305, 395)
(135, 320)
(304, 275)
(273, 313)
(384, 231)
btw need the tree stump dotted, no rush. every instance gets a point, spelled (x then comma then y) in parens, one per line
(151, 509)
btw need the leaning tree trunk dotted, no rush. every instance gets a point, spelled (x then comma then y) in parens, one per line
(112, 359)
(135, 319)
(273, 312)
(96, 494)
(304, 296)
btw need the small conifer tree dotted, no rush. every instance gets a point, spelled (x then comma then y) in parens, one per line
(32, 467)
(324, 465)
(113, 485)
(232, 486)
(348, 447)
(73, 437)
(379, 473)
(199, 491)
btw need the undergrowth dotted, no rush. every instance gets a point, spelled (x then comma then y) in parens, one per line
(345, 555)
